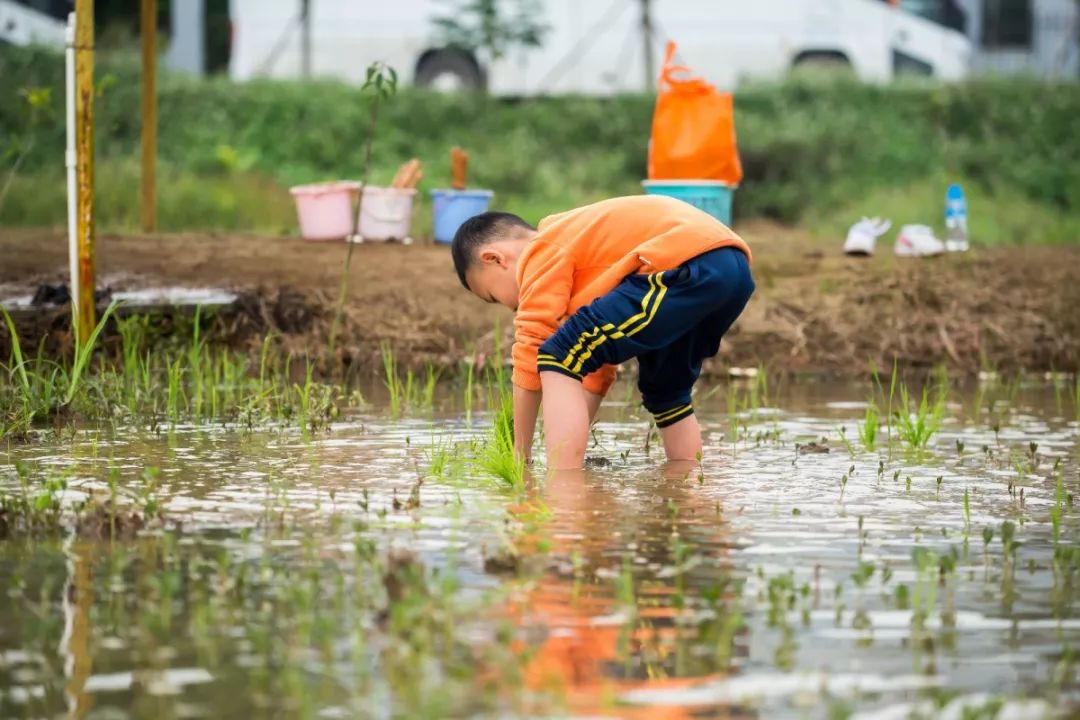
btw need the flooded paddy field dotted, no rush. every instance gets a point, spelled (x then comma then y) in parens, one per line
(831, 556)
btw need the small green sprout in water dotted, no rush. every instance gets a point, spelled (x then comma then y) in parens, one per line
(1057, 509)
(862, 574)
(967, 512)
(907, 485)
(1009, 545)
(869, 428)
(940, 479)
(847, 443)
(843, 485)
(924, 599)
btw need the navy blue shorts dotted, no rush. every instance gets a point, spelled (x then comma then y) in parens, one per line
(670, 321)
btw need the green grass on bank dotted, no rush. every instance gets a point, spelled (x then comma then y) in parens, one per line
(998, 215)
(823, 152)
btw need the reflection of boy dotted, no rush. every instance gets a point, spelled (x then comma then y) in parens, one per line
(645, 277)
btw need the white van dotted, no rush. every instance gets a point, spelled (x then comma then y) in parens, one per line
(33, 22)
(597, 47)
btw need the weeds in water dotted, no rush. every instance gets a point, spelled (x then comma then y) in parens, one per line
(927, 577)
(138, 384)
(407, 392)
(967, 513)
(469, 393)
(887, 398)
(869, 428)
(917, 427)
(498, 457)
(392, 380)
(1058, 509)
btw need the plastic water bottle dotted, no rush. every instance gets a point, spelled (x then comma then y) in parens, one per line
(956, 230)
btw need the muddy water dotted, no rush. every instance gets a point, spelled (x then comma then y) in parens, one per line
(338, 576)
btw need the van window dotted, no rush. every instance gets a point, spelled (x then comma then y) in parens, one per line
(1007, 24)
(942, 12)
(58, 9)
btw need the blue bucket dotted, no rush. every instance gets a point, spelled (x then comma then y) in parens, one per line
(451, 208)
(712, 196)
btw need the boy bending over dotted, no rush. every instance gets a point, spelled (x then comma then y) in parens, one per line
(646, 277)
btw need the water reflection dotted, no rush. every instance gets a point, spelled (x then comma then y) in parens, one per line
(336, 577)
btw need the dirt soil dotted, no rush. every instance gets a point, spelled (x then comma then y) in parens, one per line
(815, 310)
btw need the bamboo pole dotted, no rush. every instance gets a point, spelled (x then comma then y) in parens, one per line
(148, 31)
(85, 317)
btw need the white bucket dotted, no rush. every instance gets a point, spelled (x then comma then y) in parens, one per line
(326, 209)
(385, 213)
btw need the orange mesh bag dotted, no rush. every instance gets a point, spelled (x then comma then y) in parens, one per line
(693, 130)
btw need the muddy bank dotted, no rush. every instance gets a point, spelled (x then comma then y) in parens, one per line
(815, 311)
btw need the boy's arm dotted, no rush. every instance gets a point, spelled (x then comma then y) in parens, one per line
(546, 284)
(526, 408)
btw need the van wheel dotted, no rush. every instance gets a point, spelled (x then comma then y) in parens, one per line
(824, 62)
(449, 70)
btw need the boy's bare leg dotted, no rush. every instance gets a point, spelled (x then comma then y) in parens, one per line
(592, 400)
(682, 440)
(566, 421)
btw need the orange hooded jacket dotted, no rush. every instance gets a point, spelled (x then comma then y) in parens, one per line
(579, 255)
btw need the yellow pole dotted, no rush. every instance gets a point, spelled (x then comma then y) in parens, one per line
(84, 166)
(149, 115)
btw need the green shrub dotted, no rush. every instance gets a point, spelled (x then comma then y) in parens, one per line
(809, 145)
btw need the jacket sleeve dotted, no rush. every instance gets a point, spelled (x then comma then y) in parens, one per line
(543, 299)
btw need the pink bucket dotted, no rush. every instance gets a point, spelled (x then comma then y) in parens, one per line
(325, 209)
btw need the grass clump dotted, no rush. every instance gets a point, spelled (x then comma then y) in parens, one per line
(869, 428)
(149, 380)
(498, 457)
(917, 427)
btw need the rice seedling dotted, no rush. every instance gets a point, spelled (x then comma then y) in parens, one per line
(441, 456)
(84, 351)
(967, 512)
(1059, 506)
(431, 379)
(924, 595)
(392, 381)
(497, 456)
(869, 428)
(469, 393)
(889, 398)
(918, 427)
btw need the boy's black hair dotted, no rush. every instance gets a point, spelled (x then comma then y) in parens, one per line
(475, 233)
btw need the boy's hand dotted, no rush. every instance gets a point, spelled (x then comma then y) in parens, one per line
(526, 408)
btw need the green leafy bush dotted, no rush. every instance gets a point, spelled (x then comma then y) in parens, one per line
(809, 145)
